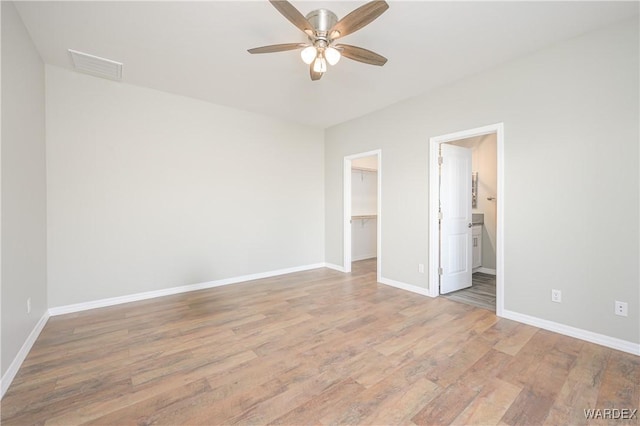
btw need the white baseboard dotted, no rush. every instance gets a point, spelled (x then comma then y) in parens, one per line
(403, 286)
(77, 307)
(485, 270)
(11, 372)
(578, 333)
(364, 257)
(334, 267)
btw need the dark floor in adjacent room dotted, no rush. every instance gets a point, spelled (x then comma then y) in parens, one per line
(481, 294)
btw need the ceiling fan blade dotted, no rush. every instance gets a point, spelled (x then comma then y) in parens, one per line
(361, 55)
(314, 75)
(293, 15)
(276, 48)
(358, 18)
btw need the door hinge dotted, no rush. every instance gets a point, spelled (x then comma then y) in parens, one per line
(440, 271)
(440, 160)
(440, 215)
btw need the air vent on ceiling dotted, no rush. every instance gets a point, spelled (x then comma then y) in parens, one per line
(95, 65)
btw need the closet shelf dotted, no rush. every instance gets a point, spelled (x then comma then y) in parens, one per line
(365, 216)
(364, 169)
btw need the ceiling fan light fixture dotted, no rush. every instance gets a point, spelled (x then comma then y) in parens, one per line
(332, 55)
(308, 54)
(320, 65)
(322, 27)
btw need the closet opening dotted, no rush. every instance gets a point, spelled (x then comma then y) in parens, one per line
(362, 181)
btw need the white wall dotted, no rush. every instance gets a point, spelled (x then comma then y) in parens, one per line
(364, 239)
(364, 192)
(571, 159)
(370, 162)
(149, 190)
(23, 186)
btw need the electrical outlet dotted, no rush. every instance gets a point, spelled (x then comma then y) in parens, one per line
(556, 296)
(621, 308)
(29, 305)
(421, 268)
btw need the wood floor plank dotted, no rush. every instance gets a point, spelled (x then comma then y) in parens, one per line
(523, 367)
(152, 409)
(534, 403)
(296, 390)
(448, 370)
(529, 408)
(254, 404)
(334, 398)
(314, 347)
(367, 402)
(516, 339)
(580, 390)
(620, 387)
(401, 407)
(59, 401)
(14, 403)
(369, 367)
(445, 407)
(489, 406)
(485, 369)
(193, 367)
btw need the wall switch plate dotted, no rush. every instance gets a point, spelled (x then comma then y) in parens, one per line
(29, 305)
(556, 296)
(421, 268)
(621, 308)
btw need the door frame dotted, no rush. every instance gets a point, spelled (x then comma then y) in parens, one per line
(434, 200)
(346, 227)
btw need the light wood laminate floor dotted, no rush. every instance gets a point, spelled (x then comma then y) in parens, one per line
(315, 347)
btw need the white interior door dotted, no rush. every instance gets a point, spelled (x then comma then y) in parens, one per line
(455, 205)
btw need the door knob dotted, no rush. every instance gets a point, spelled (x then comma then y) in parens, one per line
(470, 225)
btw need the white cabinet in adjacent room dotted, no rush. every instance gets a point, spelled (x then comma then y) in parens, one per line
(476, 243)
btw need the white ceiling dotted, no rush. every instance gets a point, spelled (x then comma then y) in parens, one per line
(199, 49)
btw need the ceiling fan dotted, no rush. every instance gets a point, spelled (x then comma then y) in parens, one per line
(323, 28)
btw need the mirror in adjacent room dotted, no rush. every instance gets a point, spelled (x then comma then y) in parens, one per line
(474, 190)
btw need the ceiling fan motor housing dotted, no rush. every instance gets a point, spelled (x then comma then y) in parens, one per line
(322, 20)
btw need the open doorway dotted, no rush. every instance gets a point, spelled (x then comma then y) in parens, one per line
(466, 217)
(362, 200)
